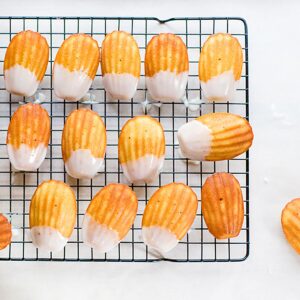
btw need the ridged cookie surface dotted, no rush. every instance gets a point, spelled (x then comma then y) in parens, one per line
(290, 220)
(222, 205)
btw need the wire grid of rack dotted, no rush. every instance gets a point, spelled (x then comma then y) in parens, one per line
(17, 187)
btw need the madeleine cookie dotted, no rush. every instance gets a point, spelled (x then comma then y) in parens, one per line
(141, 149)
(166, 67)
(290, 220)
(120, 64)
(83, 143)
(75, 66)
(109, 217)
(52, 215)
(215, 136)
(28, 137)
(25, 63)
(222, 205)
(5, 232)
(168, 216)
(220, 67)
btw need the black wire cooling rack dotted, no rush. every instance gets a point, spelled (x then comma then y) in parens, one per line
(17, 188)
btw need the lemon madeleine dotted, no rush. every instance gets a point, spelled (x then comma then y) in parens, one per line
(168, 216)
(166, 67)
(109, 217)
(75, 66)
(83, 143)
(5, 232)
(141, 149)
(220, 67)
(121, 65)
(222, 205)
(290, 221)
(52, 215)
(215, 136)
(25, 63)
(28, 137)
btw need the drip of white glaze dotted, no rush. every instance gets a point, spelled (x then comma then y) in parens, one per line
(166, 86)
(25, 158)
(20, 81)
(82, 164)
(70, 85)
(194, 140)
(148, 104)
(159, 238)
(220, 88)
(193, 104)
(120, 86)
(143, 170)
(98, 236)
(48, 238)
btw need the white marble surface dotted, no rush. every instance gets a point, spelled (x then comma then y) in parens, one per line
(272, 270)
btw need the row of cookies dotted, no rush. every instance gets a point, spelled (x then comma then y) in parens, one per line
(166, 66)
(168, 215)
(141, 147)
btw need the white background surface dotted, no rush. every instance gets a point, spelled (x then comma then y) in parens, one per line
(272, 270)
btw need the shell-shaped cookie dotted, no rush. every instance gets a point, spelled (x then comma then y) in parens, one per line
(5, 232)
(75, 66)
(25, 63)
(168, 216)
(120, 64)
(222, 205)
(52, 215)
(290, 220)
(215, 136)
(109, 217)
(141, 149)
(220, 66)
(166, 67)
(28, 137)
(83, 143)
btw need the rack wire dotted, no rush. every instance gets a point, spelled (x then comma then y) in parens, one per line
(17, 187)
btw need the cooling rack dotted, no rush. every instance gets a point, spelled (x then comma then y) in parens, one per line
(17, 187)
